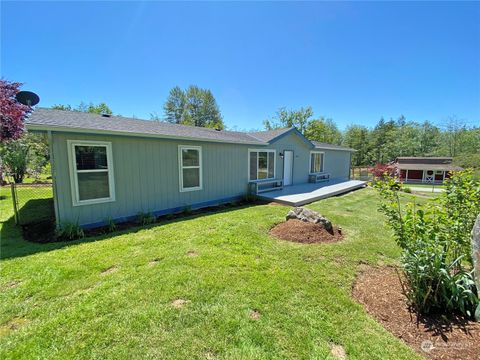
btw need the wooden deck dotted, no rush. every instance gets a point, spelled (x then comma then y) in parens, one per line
(301, 194)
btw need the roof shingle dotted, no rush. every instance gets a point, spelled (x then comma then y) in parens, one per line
(49, 119)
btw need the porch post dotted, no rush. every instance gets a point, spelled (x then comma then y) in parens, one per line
(406, 176)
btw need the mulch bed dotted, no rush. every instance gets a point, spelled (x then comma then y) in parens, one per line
(305, 232)
(39, 232)
(434, 336)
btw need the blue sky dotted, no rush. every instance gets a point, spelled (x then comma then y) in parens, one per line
(352, 62)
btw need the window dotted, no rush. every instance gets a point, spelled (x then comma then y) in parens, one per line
(316, 162)
(91, 172)
(261, 164)
(190, 167)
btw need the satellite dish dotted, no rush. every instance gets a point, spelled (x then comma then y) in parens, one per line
(27, 98)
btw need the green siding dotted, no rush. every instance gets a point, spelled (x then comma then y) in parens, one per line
(337, 162)
(146, 173)
(147, 177)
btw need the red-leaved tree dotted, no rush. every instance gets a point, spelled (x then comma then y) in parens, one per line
(12, 113)
(379, 170)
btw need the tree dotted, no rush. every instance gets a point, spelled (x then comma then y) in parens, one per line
(27, 154)
(323, 130)
(194, 106)
(210, 112)
(429, 138)
(382, 142)
(12, 113)
(175, 106)
(100, 108)
(285, 118)
(357, 137)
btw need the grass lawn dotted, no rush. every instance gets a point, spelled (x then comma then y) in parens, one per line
(111, 297)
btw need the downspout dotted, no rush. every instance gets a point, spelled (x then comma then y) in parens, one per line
(54, 178)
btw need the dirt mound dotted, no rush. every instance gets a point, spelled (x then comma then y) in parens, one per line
(435, 336)
(305, 232)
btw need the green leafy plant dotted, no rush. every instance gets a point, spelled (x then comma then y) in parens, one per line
(407, 190)
(145, 218)
(435, 241)
(70, 231)
(111, 226)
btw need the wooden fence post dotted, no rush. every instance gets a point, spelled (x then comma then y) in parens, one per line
(15, 204)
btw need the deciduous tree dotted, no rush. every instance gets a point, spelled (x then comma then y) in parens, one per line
(194, 106)
(285, 118)
(12, 113)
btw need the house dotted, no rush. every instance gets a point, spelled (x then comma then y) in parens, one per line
(429, 170)
(110, 167)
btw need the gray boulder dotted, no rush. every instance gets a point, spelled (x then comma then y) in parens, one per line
(307, 215)
(476, 258)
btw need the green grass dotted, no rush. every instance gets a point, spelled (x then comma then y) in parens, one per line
(426, 186)
(57, 301)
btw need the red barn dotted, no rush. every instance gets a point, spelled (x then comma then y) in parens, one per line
(429, 170)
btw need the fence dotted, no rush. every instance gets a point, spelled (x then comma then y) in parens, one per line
(32, 203)
(361, 173)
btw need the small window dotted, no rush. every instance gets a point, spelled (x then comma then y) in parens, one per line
(190, 166)
(91, 172)
(439, 172)
(261, 164)
(316, 162)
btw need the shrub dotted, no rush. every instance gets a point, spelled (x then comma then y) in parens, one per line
(435, 241)
(145, 218)
(70, 231)
(407, 190)
(380, 170)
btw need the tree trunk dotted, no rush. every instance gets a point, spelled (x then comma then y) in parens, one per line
(18, 178)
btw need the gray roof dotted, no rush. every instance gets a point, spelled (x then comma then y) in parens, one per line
(426, 163)
(425, 159)
(445, 167)
(321, 145)
(269, 135)
(74, 121)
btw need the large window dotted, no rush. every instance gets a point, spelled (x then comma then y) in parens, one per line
(91, 172)
(190, 167)
(261, 164)
(316, 162)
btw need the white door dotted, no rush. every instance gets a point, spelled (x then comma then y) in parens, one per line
(428, 176)
(287, 167)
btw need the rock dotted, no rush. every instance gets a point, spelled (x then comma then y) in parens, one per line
(476, 259)
(311, 216)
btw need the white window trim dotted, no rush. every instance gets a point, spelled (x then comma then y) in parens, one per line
(310, 162)
(274, 163)
(181, 167)
(73, 171)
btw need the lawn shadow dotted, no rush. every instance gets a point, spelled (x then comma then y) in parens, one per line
(14, 245)
(36, 210)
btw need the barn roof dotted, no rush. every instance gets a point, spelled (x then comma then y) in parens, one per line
(426, 163)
